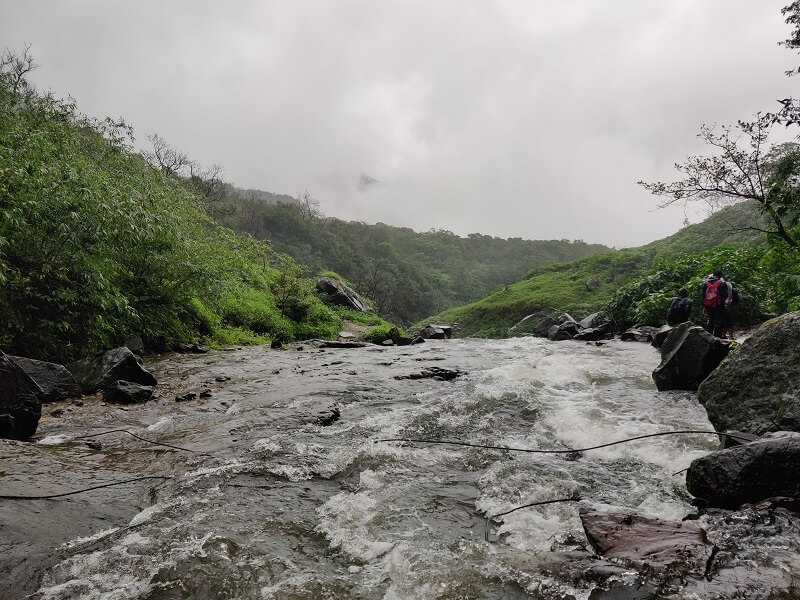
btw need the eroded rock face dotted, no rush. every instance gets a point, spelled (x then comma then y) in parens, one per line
(118, 364)
(749, 473)
(757, 388)
(341, 294)
(54, 380)
(648, 544)
(20, 404)
(688, 355)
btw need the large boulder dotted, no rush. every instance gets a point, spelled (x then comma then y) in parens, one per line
(119, 364)
(127, 392)
(688, 356)
(54, 380)
(648, 544)
(565, 331)
(528, 323)
(20, 403)
(766, 468)
(341, 294)
(594, 320)
(431, 332)
(757, 388)
(592, 284)
(661, 336)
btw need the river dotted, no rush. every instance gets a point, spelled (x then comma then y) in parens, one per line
(265, 502)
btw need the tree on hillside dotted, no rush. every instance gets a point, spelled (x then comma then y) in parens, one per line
(170, 160)
(309, 206)
(744, 167)
(15, 66)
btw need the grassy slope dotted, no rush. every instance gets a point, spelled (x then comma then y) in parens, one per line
(563, 286)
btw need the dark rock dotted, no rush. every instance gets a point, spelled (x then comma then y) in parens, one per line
(418, 340)
(186, 397)
(436, 373)
(529, 323)
(651, 545)
(447, 329)
(119, 364)
(206, 393)
(20, 401)
(543, 327)
(757, 388)
(328, 416)
(592, 284)
(276, 344)
(432, 333)
(565, 331)
(135, 344)
(190, 348)
(59, 412)
(54, 380)
(637, 334)
(127, 392)
(77, 402)
(341, 294)
(403, 341)
(221, 378)
(748, 473)
(661, 335)
(592, 334)
(737, 438)
(593, 321)
(688, 356)
(94, 445)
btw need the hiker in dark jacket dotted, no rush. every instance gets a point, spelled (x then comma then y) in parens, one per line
(679, 309)
(714, 294)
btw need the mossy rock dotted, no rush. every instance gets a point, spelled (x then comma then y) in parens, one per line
(757, 388)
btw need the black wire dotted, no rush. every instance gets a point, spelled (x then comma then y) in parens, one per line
(568, 451)
(575, 498)
(96, 487)
(138, 437)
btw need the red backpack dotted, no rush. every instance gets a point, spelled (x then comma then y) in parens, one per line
(712, 298)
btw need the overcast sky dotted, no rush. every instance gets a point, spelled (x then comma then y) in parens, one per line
(515, 118)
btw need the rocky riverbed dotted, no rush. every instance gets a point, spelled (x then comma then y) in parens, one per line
(276, 486)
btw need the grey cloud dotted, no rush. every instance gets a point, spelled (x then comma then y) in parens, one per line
(511, 118)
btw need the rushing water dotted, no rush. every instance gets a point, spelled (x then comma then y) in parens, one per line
(271, 504)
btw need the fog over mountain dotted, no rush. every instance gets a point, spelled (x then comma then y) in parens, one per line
(511, 118)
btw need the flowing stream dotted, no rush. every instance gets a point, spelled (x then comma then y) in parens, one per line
(272, 504)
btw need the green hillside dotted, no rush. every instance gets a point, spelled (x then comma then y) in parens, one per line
(408, 274)
(97, 245)
(563, 286)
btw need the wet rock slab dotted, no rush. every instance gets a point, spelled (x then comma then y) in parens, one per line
(648, 544)
(748, 473)
(436, 373)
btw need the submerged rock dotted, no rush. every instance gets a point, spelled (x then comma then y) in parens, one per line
(642, 333)
(688, 355)
(119, 364)
(649, 544)
(20, 403)
(54, 380)
(748, 473)
(757, 388)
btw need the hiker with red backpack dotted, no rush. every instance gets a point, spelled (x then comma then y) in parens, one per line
(714, 295)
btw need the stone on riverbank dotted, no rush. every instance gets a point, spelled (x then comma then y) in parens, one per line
(127, 392)
(688, 355)
(757, 388)
(54, 380)
(119, 364)
(649, 544)
(341, 294)
(748, 473)
(20, 404)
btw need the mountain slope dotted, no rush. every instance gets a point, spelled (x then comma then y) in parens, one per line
(563, 286)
